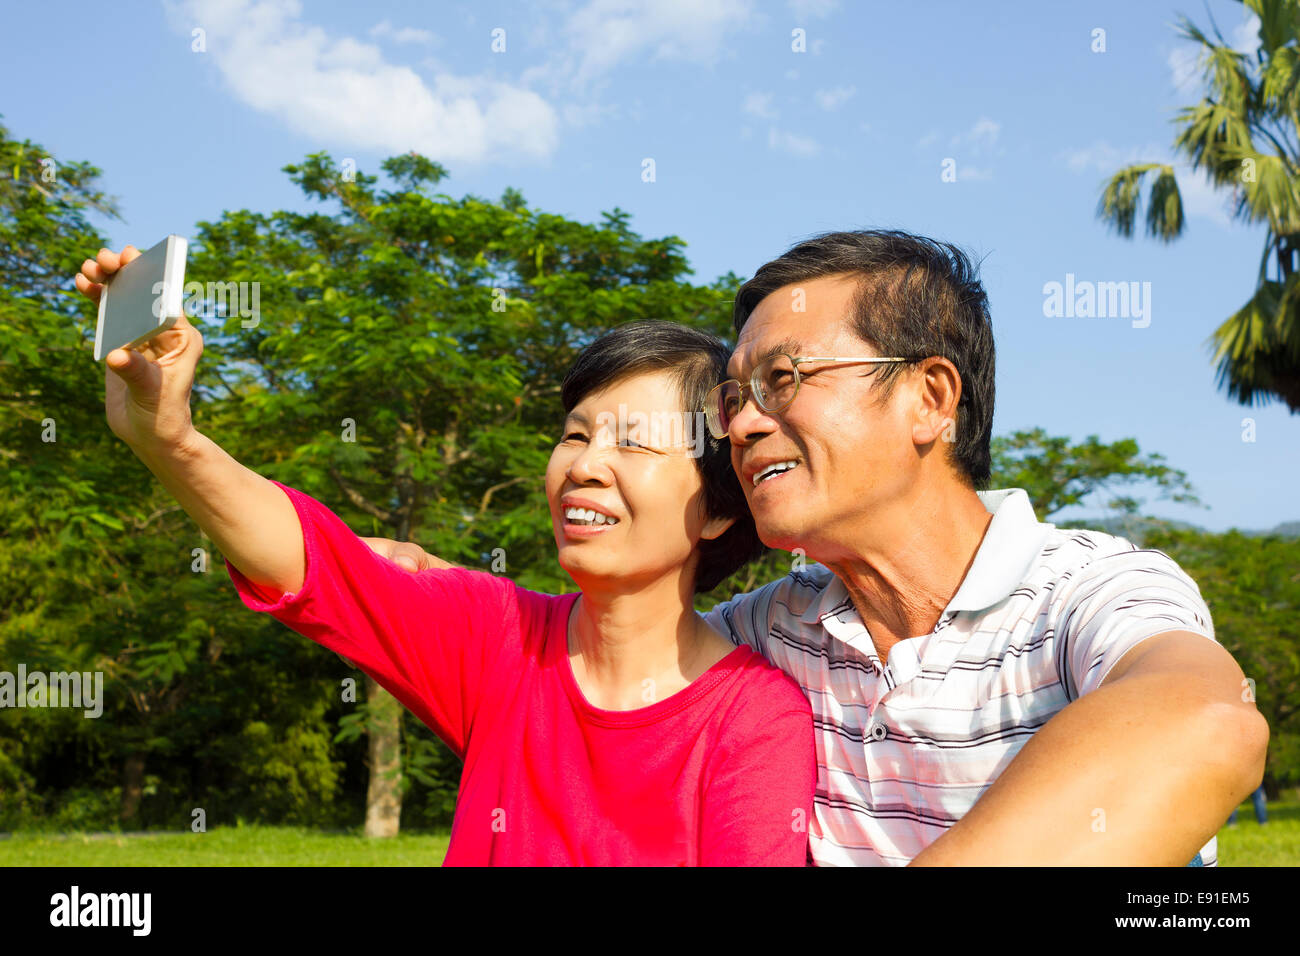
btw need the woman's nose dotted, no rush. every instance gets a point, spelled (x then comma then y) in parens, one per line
(590, 464)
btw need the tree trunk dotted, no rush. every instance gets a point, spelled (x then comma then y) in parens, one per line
(132, 785)
(384, 793)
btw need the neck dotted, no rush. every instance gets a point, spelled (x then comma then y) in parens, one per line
(632, 646)
(903, 566)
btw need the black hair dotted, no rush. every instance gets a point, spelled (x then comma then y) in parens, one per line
(699, 362)
(918, 298)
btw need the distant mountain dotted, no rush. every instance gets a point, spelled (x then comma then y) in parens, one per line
(1135, 527)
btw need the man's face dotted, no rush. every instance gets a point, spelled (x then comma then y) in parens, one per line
(851, 454)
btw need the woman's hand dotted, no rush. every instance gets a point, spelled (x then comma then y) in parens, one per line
(146, 391)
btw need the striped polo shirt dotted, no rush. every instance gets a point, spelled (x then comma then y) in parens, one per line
(905, 748)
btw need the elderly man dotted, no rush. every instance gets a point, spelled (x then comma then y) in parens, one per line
(986, 689)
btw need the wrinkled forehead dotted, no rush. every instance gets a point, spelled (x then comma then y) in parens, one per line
(749, 354)
(807, 318)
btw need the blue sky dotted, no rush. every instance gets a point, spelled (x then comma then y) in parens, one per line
(755, 146)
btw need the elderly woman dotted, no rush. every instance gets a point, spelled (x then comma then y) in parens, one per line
(608, 726)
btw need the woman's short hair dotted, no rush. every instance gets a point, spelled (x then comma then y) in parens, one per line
(698, 360)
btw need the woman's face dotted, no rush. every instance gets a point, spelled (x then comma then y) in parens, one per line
(626, 496)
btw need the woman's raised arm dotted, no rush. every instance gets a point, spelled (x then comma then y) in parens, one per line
(147, 401)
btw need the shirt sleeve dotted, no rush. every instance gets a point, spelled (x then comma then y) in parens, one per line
(429, 638)
(758, 799)
(1120, 600)
(745, 620)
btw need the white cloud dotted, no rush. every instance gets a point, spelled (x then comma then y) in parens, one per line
(1185, 69)
(1104, 158)
(1201, 199)
(980, 140)
(981, 137)
(803, 9)
(606, 33)
(1245, 35)
(792, 143)
(586, 114)
(760, 105)
(384, 28)
(834, 98)
(345, 92)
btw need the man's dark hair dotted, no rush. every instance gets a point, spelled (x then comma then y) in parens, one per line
(918, 297)
(698, 361)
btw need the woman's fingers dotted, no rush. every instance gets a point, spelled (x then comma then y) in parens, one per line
(92, 271)
(95, 272)
(87, 288)
(108, 261)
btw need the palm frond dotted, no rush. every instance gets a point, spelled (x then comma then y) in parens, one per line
(1214, 137)
(1278, 24)
(1257, 347)
(1119, 198)
(1165, 207)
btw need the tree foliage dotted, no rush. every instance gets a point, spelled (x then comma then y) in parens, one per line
(1243, 136)
(1252, 587)
(1057, 473)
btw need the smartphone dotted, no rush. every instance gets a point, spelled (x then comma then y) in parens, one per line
(143, 298)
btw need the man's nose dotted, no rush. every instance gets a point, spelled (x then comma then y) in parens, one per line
(751, 422)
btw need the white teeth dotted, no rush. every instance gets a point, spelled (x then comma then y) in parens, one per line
(588, 516)
(775, 469)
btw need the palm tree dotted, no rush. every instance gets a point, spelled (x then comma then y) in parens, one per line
(1243, 135)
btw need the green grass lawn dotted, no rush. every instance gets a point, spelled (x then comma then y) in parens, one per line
(1277, 843)
(1247, 844)
(223, 846)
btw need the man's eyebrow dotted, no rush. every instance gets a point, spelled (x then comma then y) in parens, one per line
(789, 346)
(576, 417)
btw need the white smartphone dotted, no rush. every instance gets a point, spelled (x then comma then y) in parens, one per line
(143, 298)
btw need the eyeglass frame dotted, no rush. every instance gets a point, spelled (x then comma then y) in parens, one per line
(795, 361)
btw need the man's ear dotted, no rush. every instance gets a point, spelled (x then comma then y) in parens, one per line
(938, 396)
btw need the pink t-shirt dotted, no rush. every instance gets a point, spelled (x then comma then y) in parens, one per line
(720, 773)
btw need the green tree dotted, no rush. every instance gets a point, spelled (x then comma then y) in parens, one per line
(62, 541)
(1056, 473)
(96, 564)
(1252, 587)
(405, 362)
(1243, 136)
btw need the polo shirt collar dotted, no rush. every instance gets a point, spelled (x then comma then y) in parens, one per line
(1013, 541)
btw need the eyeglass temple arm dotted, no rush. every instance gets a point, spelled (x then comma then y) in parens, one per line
(843, 358)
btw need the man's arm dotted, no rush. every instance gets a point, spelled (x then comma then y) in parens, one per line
(1140, 772)
(407, 554)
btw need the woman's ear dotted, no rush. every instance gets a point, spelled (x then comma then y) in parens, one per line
(714, 528)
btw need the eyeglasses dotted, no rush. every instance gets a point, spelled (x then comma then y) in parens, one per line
(772, 385)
